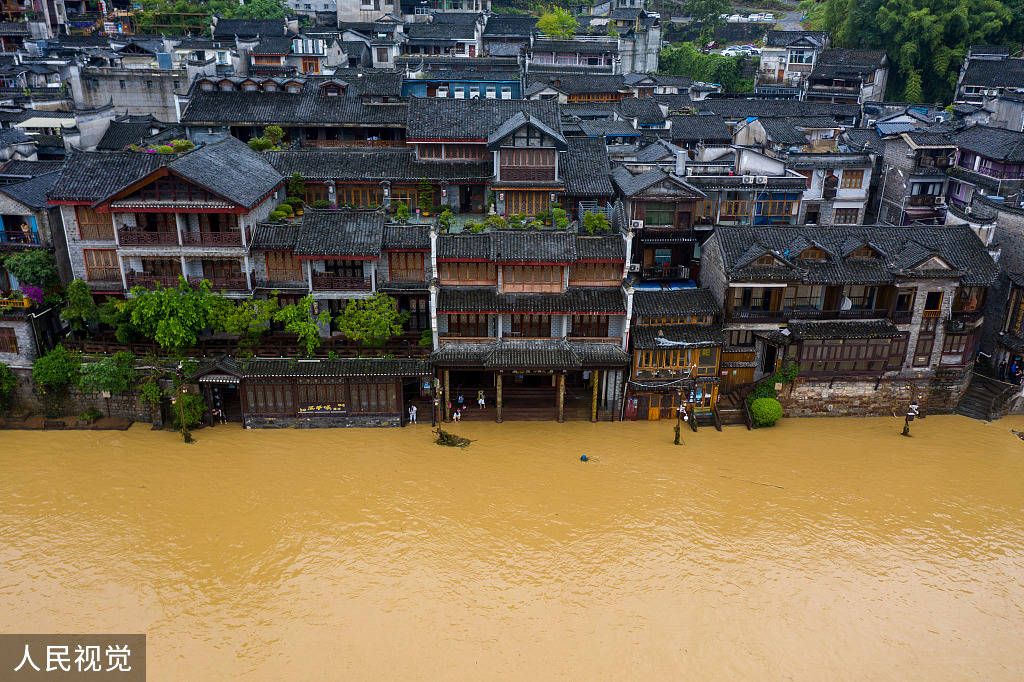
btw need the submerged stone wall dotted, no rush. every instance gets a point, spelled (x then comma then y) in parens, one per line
(868, 398)
(125, 405)
(322, 422)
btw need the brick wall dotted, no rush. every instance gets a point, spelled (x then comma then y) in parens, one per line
(127, 405)
(822, 398)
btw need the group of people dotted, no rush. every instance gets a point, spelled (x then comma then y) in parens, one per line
(460, 405)
(1014, 372)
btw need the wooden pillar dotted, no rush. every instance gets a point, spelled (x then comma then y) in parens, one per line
(593, 397)
(498, 399)
(561, 397)
(446, 399)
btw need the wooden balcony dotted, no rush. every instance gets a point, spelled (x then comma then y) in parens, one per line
(127, 237)
(228, 238)
(671, 272)
(336, 144)
(234, 283)
(15, 303)
(325, 282)
(149, 280)
(527, 173)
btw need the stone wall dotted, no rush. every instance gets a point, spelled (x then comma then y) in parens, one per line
(322, 422)
(127, 405)
(841, 398)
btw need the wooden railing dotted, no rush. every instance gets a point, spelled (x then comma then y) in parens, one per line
(144, 238)
(233, 283)
(228, 238)
(145, 279)
(340, 283)
(15, 303)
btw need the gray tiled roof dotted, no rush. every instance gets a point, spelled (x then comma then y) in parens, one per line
(575, 300)
(644, 109)
(369, 367)
(631, 185)
(327, 232)
(699, 128)
(406, 237)
(902, 249)
(785, 38)
(610, 247)
(845, 62)
(528, 246)
(994, 73)
(994, 143)
(575, 83)
(534, 354)
(464, 247)
(843, 329)
(498, 25)
(586, 169)
(432, 118)
(782, 132)
(379, 164)
(645, 337)
(120, 134)
(31, 193)
(739, 109)
(675, 302)
(271, 237)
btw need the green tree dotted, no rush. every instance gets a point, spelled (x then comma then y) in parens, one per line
(8, 382)
(173, 317)
(765, 411)
(193, 16)
(261, 144)
(300, 320)
(558, 22)
(193, 407)
(685, 60)
(115, 374)
(296, 185)
(249, 319)
(708, 13)
(54, 373)
(425, 196)
(33, 267)
(275, 134)
(371, 320)
(402, 210)
(79, 310)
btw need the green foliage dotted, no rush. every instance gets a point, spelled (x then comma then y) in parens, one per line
(425, 196)
(708, 13)
(178, 146)
(296, 185)
(115, 374)
(165, 149)
(321, 203)
(172, 317)
(299, 319)
(277, 216)
(496, 222)
(275, 134)
(685, 60)
(57, 370)
(194, 407)
(286, 209)
(475, 228)
(765, 411)
(80, 310)
(402, 210)
(926, 40)
(193, 16)
(8, 382)
(371, 320)
(33, 267)
(248, 319)
(517, 221)
(558, 22)
(294, 202)
(544, 217)
(444, 221)
(261, 144)
(90, 415)
(559, 218)
(426, 338)
(151, 394)
(594, 223)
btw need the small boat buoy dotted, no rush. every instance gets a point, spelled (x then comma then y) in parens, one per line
(583, 458)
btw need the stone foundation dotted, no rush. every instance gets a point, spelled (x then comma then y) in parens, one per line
(125, 405)
(868, 398)
(322, 422)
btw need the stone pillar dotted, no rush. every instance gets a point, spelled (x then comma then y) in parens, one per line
(594, 380)
(497, 401)
(446, 399)
(561, 397)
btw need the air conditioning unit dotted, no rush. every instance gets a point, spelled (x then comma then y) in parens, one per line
(633, 267)
(442, 92)
(761, 179)
(748, 179)
(636, 224)
(940, 201)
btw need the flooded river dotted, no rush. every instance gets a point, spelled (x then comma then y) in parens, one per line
(820, 549)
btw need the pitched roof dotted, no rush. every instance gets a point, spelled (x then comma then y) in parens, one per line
(738, 109)
(406, 238)
(781, 131)
(699, 128)
(430, 31)
(533, 354)
(275, 237)
(575, 83)
(786, 38)
(529, 246)
(586, 169)
(575, 300)
(120, 134)
(369, 367)
(498, 25)
(328, 232)
(644, 109)
(518, 120)
(994, 73)
(843, 329)
(273, 46)
(659, 150)
(432, 118)
(379, 164)
(675, 302)
(32, 192)
(20, 169)
(901, 251)
(993, 143)
(631, 185)
(839, 62)
(608, 247)
(646, 337)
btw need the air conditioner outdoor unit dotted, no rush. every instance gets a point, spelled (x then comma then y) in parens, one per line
(636, 224)
(634, 267)
(762, 179)
(748, 179)
(940, 201)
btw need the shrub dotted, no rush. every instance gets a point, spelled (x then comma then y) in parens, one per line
(182, 145)
(277, 216)
(261, 144)
(426, 338)
(425, 195)
(35, 267)
(151, 394)
(444, 221)
(475, 228)
(287, 209)
(765, 411)
(517, 221)
(115, 374)
(90, 415)
(595, 222)
(543, 217)
(321, 203)
(402, 210)
(496, 222)
(559, 218)
(194, 406)
(8, 382)
(56, 370)
(293, 202)
(275, 134)
(296, 185)
(165, 149)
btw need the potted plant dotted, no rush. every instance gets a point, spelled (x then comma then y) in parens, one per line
(402, 211)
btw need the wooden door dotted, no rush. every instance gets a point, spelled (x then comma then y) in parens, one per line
(654, 409)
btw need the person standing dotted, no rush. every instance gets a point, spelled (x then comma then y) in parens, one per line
(412, 414)
(480, 400)
(1002, 370)
(912, 411)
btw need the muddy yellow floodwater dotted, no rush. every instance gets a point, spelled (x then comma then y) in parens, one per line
(820, 549)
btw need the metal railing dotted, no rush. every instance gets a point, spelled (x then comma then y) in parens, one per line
(18, 237)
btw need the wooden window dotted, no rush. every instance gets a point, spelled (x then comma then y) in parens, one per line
(157, 222)
(360, 197)
(429, 151)
(214, 222)
(741, 337)
(536, 278)
(467, 273)
(382, 54)
(94, 226)
(471, 325)
(807, 174)
(766, 259)
(594, 326)
(531, 326)
(923, 352)
(101, 265)
(663, 359)
(933, 304)
(8, 340)
(526, 203)
(599, 273)
(735, 208)
(406, 267)
(845, 216)
(812, 253)
(222, 268)
(165, 267)
(283, 266)
(270, 399)
(852, 179)
(465, 152)
(267, 60)
(955, 343)
(310, 65)
(707, 362)
(659, 214)
(407, 195)
(313, 394)
(315, 193)
(863, 252)
(373, 398)
(343, 268)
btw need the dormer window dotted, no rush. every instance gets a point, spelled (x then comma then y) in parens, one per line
(227, 86)
(292, 88)
(863, 252)
(332, 90)
(766, 259)
(206, 86)
(270, 87)
(812, 253)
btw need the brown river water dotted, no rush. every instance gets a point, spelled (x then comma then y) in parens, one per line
(827, 549)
